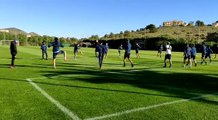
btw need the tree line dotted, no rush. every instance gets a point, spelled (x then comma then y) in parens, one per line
(193, 32)
(36, 40)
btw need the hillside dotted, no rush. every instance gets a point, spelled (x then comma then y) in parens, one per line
(186, 33)
(33, 34)
(17, 31)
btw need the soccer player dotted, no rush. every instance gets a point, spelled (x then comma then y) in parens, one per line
(76, 49)
(79, 49)
(127, 48)
(160, 49)
(168, 55)
(208, 53)
(106, 47)
(193, 53)
(137, 50)
(101, 52)
(187, 55)
(56, 44)
(96, 48)
(119, 50)
(204, 52)
(13, 50)
(44, 51)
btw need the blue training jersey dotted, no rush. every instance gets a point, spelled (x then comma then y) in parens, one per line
(128, 47)
(193, 51)
(56, 46)
(101, 49)
(76, 47)
(106, 48)
(43, 47)
(204, 49)
(189, 51)
(97, 48)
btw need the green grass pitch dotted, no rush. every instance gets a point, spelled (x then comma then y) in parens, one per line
(145, 92)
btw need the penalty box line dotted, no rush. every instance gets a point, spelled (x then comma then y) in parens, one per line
(148, 107)
(52, 100)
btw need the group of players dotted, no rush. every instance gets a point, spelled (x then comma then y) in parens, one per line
(190, 52)
(101, 51)
(127, 46)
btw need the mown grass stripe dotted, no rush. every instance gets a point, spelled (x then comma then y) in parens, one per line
(148, 107)
(57, 103)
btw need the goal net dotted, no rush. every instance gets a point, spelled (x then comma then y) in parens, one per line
(8, 42)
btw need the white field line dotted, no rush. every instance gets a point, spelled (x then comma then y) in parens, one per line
(148, 107)
(58, 104)
(115, 73)
(39, 78)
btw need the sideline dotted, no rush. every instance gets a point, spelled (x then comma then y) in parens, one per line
(51, 99)
(148, 107)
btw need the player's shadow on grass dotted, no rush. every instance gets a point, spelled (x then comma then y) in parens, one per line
(182, 85)
(5, 65)
(87, 87)
(25, 66)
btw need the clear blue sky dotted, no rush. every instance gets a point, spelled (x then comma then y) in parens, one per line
(83, 18)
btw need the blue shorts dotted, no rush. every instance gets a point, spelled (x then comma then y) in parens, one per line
(208, 55)
(76, 51)
(136, 51)
(193, 56)
(159, 51)
(187, 57)
(56, 53)
(126, 55)
(203, 55)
